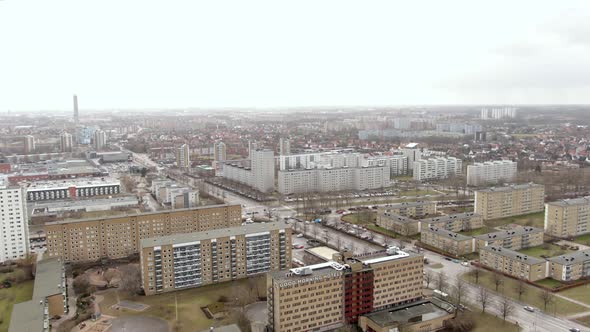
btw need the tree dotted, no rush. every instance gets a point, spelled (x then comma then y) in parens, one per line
(130, 278)
(483, 297)
(505, 307)
(428, 276)
(459, 290)
(498, 280)
(520, 288)
(81, 284)
(547, 298)
(109, 275)
(476, 273)
(441, 281)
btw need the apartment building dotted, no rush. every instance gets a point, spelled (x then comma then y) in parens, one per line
(516, 238)
(513, 263)
(447, 241)
(175, 195)
(397, 164)
(183, 157)
(49, 299)
(437, 168)
(119, 236)
(72, 188)
(324, 296)
(99, 140)
(182, 261)
(456, 222)
(568, 217)
(332, 179)
(398, 223)
(413, 153)
(513, 200)
(410, 209)
(14, 223)
(570, 267)
(257, 172)
(65, 142)
(491, 172)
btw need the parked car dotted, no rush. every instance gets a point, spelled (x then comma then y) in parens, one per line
(574, 329)
(448, 258)
(299, 246)
(299, 235)
(529, 309)
(465, 263)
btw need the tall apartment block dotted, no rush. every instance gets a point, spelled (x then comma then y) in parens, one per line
(65, 142)
(437, 168)
(498, 113)
(182, 261)
(14, 231)
(284, 146)
(491, 172)
(413, 153)
(119, 236)
(514, 200)
(99, 139)
(257, 172)
(29, 144)
(568, 217)
(219, 151)
(325, 296)
(513, 263)
(183, 156)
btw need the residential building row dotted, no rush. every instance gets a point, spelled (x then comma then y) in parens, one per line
(72, 188)
(409, 209)
(257, 172)
(508, 201)
(491, 172)
(177, 196)
(568, 218)
(437, 168)
(182, 261)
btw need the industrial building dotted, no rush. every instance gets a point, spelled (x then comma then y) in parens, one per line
(508, 201)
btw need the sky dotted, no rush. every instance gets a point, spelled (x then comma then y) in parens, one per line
(173, 54)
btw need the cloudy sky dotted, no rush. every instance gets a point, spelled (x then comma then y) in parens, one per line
(134, 54)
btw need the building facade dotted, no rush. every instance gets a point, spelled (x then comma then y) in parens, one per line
(284, 146)
(65, 189)
(29, 144)
(398, 223)
(447, 241)
(568, 217)
(219, 151)
(65, 142)
(516, 238)
(513, 263)
(182, 261)
(491, 172)
(257, 172)
(456, 222)
(513, 200)
(410, 209)
(570, 267)
(183, 159)
(99, 140)
(119, 236)
(437, 168)
(14, 233)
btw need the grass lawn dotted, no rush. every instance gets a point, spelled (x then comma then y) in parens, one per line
(417, 192)
(361, 218)
(532, 296)
(583, 239)
(436, 266)
(548, 282)
(479, 231)
(9, 296)
(546, 249)
(487, 322)
(584, 320)
(531, 219)
(382, 230)
(456, 209)
(190, 301)
(580, 293)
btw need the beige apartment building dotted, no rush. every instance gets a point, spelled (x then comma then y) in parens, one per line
(455, 222)
(324, 296)
(513, 263)
(570, 267)
(119, 236)
(513, 200)
(409, 209)
(399, 224)
(182, 261)
(447, 241)
(568, 217)
(516, 238)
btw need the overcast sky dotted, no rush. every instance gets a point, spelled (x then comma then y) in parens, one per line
(134, 54)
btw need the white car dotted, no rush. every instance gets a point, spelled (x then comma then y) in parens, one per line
(299, 235)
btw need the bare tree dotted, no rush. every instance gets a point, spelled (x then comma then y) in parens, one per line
(130, 278)
(498, 280)
(547, 297)
(109, 275)
(428, 277)
(483, 297)
(459, 290)
(441, 281)
(520, 288)
(81, 284)
(505, 307)
(476, 274)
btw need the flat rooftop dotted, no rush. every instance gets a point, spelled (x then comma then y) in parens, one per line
(494, 162)
(415, 312)
(83, 202)
(513, 254)
(398, 218)
(27, 317)
(511, 188)
(504, 234)
(79, 183)
(571, 258)
(122, 215)
(573, 201)
(408, 204)
(251, 229)
(447, 234)
(48, 278)
(451, 217)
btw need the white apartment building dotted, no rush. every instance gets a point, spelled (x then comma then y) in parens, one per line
(284, 146)
(260, 174)
(413, 153)
(498, 113)
(65, 142)
(397, 164)
(491, 172)
(437, 168)
(14, 227)
(183, 156)
(219, 151)
(332, 179)
(99, 139)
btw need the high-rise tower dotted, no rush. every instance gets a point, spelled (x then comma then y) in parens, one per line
(75, 109)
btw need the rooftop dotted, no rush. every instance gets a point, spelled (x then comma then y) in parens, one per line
(398, 218)
(251, 229)
(84, 202)
(415, 312)
(511, 188)
(451, 217)
(516, 231)
(571, 258)
(408, 204)
(573, 201)
(49, 278)
(27, 317)
(447, 234)
(80, 183)
(513, 254)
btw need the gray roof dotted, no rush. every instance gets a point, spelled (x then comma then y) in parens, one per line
(510, 188)
(571, 258)
(446, 233)
(48, 278)
(212, 234)
(513, 254)
(408, 204)
(517, 231)
(27, 317)
(419, 311)
(138, 214)
(398, 218)
(451, 217)
(574, 201)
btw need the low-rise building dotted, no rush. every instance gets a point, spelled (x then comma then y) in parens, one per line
(568, 217)
(410, 209)
(456, 222)
(399, 224)
(513, 263)
(570, 267)
(513, 200)
(447, 241)
(72, 188)
(182, 261)
(516, 238)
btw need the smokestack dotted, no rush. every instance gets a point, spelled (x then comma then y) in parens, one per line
(76, 109)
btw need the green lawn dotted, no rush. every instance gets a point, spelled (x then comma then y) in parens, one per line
(456, 209)
(488, 322)
(580, 293)
(532, 219)
(364, 217)
(417, 192)
(532, 296)
(190, 301)
(10, 296)
(382, 230)
(546, 249)
(583, 239)
(549, 282)
(479, 231)
(584, 320)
